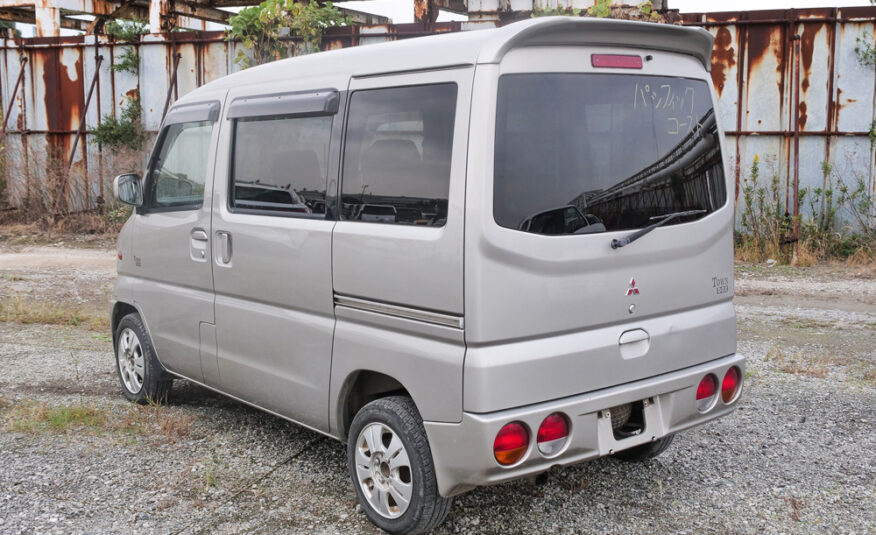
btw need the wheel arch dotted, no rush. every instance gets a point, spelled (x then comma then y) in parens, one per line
(360, 388)
(120, 310)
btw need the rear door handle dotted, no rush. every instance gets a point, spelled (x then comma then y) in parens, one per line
(634, 336)
(224, 258)
(634, 344)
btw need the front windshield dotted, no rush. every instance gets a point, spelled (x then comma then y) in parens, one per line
(590, 153)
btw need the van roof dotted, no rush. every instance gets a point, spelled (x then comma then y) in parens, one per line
(474, 47)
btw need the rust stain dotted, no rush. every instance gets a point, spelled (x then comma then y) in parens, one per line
(802, 117)
(199, 63)
(807, 52)
(833, 78)
(425, 12)
(723, 58)
(835, 107)
(48, 19)
(333, 44)
(759, 40)
(65, 95)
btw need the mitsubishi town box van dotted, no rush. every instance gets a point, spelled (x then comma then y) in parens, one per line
(470, 257)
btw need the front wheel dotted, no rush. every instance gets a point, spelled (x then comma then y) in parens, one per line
(391, 466)
(142, 378)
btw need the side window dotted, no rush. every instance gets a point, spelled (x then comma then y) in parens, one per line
(280, 164)
(397, 155)
(179, 170)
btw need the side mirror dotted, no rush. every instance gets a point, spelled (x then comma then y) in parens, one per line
(127, 189)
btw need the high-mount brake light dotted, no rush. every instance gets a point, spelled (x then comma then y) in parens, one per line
(616, 61)
(511, 444)
(553, 434)
(730, 385)
(707, 393)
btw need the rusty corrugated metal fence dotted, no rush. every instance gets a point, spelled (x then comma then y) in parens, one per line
(45, 96)
(754, 68)
(793, 92)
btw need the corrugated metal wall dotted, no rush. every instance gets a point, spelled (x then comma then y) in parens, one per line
(49, 104)
(756, 75)
(754, 70)
(45, 115)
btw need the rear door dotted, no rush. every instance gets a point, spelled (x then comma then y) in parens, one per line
(576, 155)
(272, 259)
(174, 277)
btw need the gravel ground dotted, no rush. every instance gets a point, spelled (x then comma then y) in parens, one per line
(799, 456)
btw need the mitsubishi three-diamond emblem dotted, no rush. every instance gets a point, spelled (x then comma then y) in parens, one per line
(632, 290)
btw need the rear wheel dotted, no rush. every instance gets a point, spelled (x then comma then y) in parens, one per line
(142, 378)
(391, 466)
(645, 451)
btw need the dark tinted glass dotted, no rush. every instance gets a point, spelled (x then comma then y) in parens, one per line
(588, 153)
(280, 164)
(397, 155)
(180, 167)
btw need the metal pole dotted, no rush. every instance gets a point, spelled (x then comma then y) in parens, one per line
(176, 58)
(85, 112)
(22, 60)
(797, 142)
(100, 199)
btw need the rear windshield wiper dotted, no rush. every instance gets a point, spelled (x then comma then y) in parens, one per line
(663, 219)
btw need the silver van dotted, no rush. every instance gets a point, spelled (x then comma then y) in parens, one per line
(555, 283)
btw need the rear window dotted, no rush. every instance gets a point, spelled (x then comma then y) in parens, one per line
(590, 153)
(398, 152)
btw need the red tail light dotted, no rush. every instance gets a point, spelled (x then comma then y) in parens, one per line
(616, 61)
(730, 385)
(706, 393)
(552, 434)
(511, 443)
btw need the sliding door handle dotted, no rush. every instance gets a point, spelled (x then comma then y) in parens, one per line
(224, 257)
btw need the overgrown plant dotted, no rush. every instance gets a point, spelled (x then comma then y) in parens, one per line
(648, 9)
(129, 61)
(822, 233)
(127, 32)
(872, 134)
(766, 225)
(601, 9)
(310, 20)
(555, 12)
(836, 221)
(865, 51)
(261, 29)
(859, 205)
(125, 130)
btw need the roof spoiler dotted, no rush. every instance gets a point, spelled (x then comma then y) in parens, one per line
(695, 42)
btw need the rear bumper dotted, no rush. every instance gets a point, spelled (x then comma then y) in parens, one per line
(463, 452)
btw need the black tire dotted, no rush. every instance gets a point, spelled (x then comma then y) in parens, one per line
(427, 509)
(156, 382)
(645, 451)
